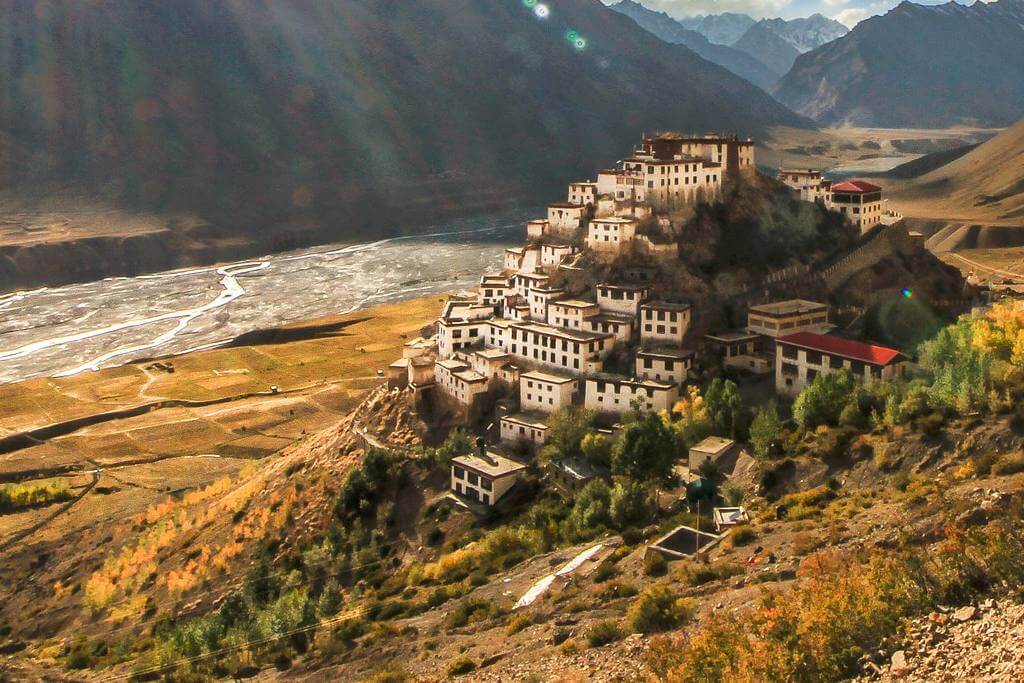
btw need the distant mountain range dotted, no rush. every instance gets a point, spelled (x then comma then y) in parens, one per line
(760, 51)
(672, 31)
(917, 66)
(344, 119)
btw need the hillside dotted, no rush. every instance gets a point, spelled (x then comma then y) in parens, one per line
(917, 66)
(723, 29)
(290, 122)
(672, 31)
(984, 186)
(763, 43)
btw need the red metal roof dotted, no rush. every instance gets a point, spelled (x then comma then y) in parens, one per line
(847, 348)
(855, 186)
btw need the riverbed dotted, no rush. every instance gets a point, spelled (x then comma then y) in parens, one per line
(62, 331)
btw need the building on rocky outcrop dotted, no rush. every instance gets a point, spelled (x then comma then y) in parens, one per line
(459, 381)
(803, 356)
(572, 474)
(858, 200)
(735, 155)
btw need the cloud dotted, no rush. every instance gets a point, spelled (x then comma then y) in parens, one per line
(851, 16)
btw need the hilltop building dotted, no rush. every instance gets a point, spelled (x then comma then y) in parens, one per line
(803, 356)
(733, 154)
(858, 200)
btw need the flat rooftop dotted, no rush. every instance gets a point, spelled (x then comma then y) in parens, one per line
(714, 445)
(492, 465)
(549, 377)
(528, 419)
(632, 381)
(788, 307)
(574, 335)
(666, 352)
(666, 305)
(731, 336)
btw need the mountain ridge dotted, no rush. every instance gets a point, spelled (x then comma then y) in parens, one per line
(917, 66)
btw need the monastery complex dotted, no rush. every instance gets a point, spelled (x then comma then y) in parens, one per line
(533, 340)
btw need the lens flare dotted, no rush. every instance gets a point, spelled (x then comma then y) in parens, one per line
(580, 43)
(530, 3)
(542, 11)
(907, 293)
(572, 36)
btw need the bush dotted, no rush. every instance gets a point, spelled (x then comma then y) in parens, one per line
(741, 536)
(469, 612)
(518, 623)
(461, 666)
(19, 496)
(605, 571)
(698, 574)
(604, 632)
(1009, 464)
(658, 609)
(655, 564)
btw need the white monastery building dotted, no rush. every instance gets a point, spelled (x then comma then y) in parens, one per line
(617, 394)
(664, 322)
(803, 356)
(545, 392)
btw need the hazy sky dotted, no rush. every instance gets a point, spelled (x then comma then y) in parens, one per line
(848, 12)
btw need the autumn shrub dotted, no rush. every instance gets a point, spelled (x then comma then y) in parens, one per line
(500, 549)
(460, 666)
(20, 496)
(518, 623)
(845, 607)
(655, 564)
(698, 573)
(470, 612)
(741, 536)
(604, 632)
(657, 608)
(605, 571)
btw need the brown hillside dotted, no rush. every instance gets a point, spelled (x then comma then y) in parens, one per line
(985, 186)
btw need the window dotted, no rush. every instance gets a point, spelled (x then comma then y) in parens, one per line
(814, 357)
(460, 473)
(789, 352)
(485, 484)
(835, 362)
(473, 479)
(789, 369)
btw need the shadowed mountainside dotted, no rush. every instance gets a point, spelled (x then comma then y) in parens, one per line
(917, 66)
(304, 122)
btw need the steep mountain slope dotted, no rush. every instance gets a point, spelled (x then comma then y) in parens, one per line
(671, 31)
(917, 66)
(337, 120)
(763, 43)
(985, 186)
(724, 29)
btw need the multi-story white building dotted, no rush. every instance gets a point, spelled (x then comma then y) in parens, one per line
(484, 477)
(456, 379)
(664, 322)
(565, 217)
(522, 260)
(540, 298)
(524, 427)
(619, 325)
(526, 281)
(461, 325)
(610, 234)
(741, 350)
(664, 364)
(622, 184)
(551, 255)
(571, 313)
(780, 318)
(800, 180)
(582, 193)
(575, 351)
(493, 289)
(488, 362)
(859, 201)
(803, 356)
(545, 392)
(618, 394)
(735, 155)
(537, 228)
(624, 299)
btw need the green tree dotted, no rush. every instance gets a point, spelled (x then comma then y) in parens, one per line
(566, 430)
(597, 449)
(725, 407)
(645, 451)
(766, 430)
(629, 505)
(590, 511)
(823, 401)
